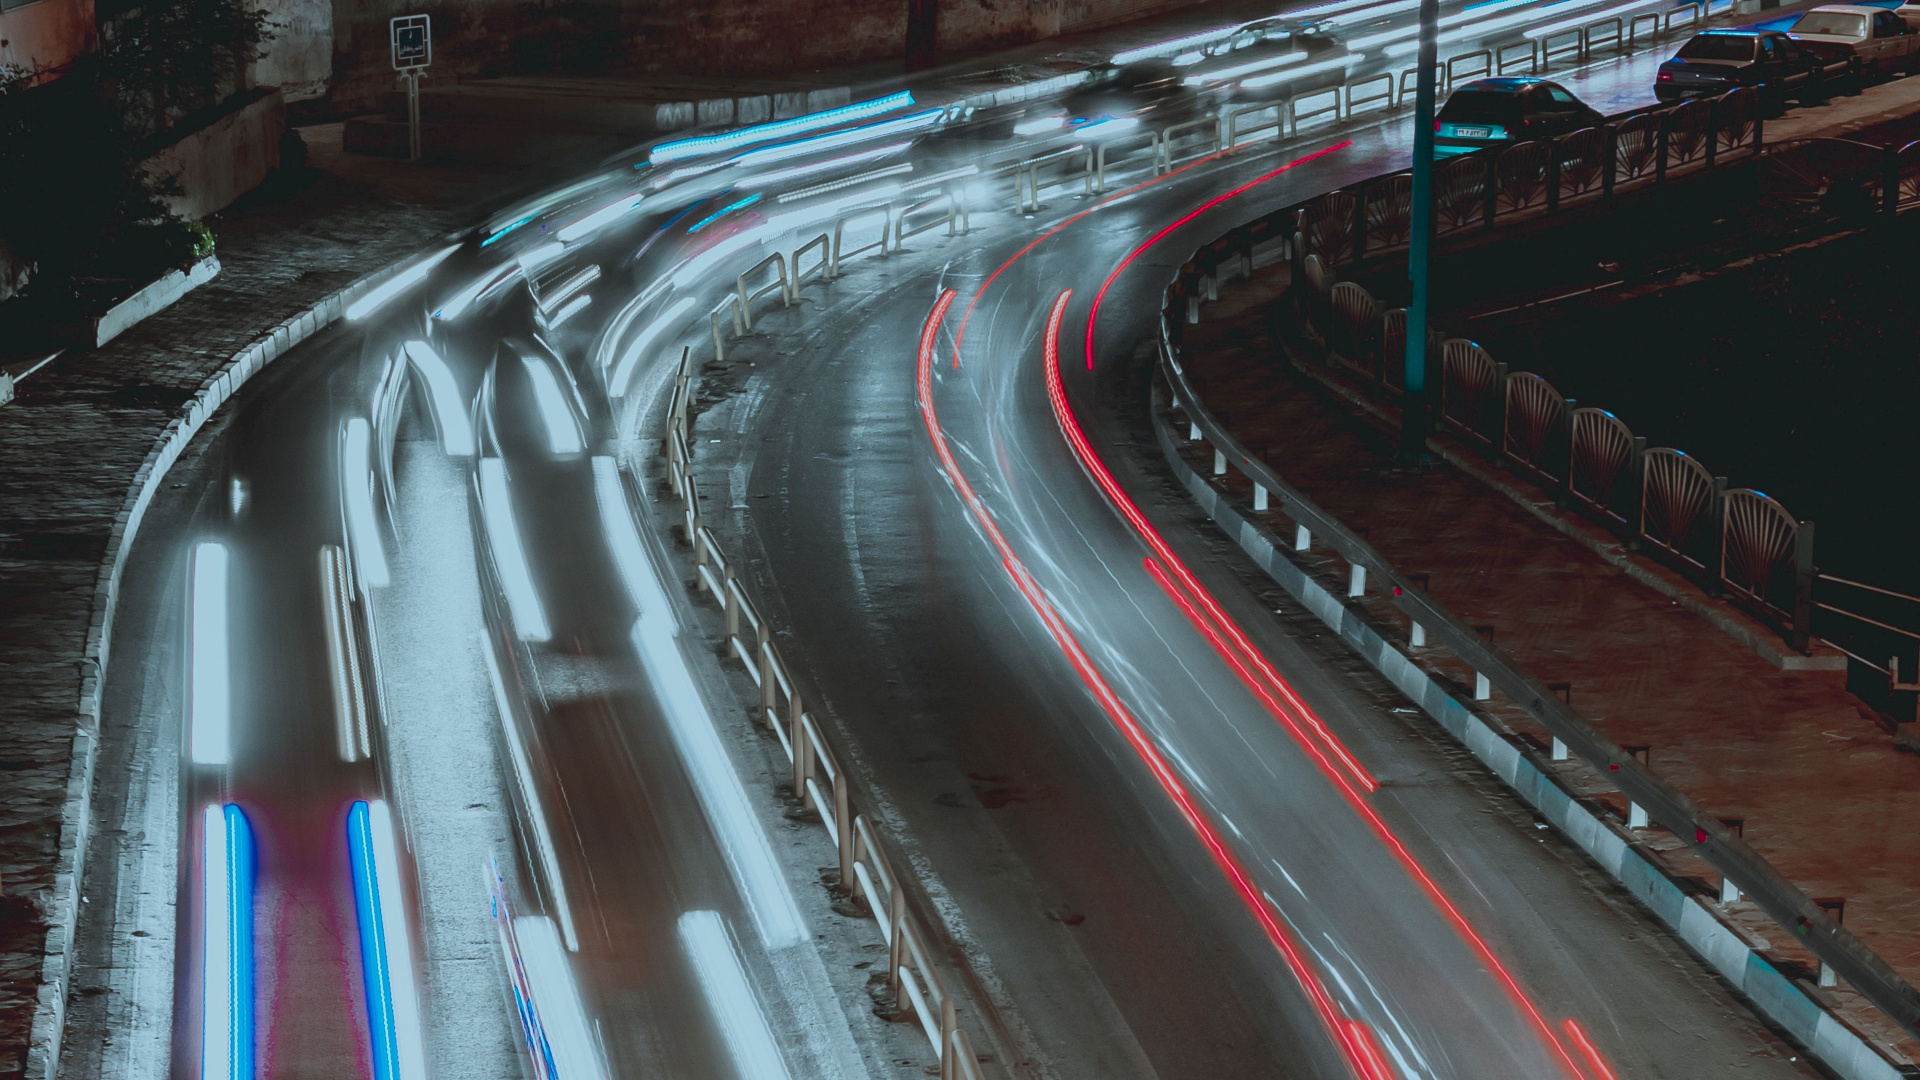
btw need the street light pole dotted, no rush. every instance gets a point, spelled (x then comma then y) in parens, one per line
(1417, 416)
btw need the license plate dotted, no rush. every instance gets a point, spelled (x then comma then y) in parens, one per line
(1472, 132)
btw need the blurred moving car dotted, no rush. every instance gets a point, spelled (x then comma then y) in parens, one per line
(1270, 58)
(1495, 112)
(1881, 40)
(1721, 60)
(1149, 91)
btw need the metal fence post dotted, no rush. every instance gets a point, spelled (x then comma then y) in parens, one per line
(843, 825)
(1553, 176)
(1660, 149)
(1890, 184)
(1359, 226)
(1803, 587)
(1493, 186)
(732, 600)
(1613, 159)
(949, 1025)
(768, 685)
(802, 753)
(1717, 564)
(896, 943)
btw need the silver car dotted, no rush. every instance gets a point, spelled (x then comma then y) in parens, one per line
(1883, 41)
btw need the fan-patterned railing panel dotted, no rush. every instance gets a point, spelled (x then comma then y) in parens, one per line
(1757, 538)
(1460, 193)
(1530, 414)
(1734, 115)
(1319, 299)
(1636, 143)
(1390, 212)
(1676, 503)
(1909, 164)
(1599, 449)
(1393, 349)
(1330, 227)
(1522, 173)
(1467, 372)
(1583, 162)
(1354, 314)
(1688, 126)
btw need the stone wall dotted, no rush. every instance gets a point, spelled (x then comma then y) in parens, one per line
(223, 160)
(47, 34)
(728, 38)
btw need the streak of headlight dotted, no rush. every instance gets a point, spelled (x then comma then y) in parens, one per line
(356, 492)
(1175, 45)
(1370, 12)
(869, 176)
(505, 229)
(601, 218)
(449, 408)
(459, 302)
(343, 657)
(1247, 68)
(574, 307)
(552, 298)
(622, 538)
(724, 211)
(779, 129)
(1040, 125)
(1481, 29)
(557, 998)
(386, 948)
(1584, 18)
(397, 284)
(534, 258)
(210, 679)
(749, 855)
(723, 981)
(529, 794)
(1300, 73)
(226, 928)
(806, 215)
(623, 370)
(779, 176)
(753, 159)
(1108, 128)
(563, 432)
(691, 272)
(509, 557)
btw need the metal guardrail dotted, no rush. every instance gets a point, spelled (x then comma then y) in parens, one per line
(1505, 59)
(781, 284)
(1430, 623)
(819, 780)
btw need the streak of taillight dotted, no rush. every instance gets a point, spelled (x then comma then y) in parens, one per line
(1300, 720)
(1093, 313)
(1589, 1052)
(1354, 1048)
(1369, 1047)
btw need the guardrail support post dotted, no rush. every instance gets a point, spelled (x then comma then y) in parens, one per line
(1259, 498)
(897, 944)
(1193, 432)
(1482, 689)
(802, 753)
(949, 1063)
(768, 687)
(1803, 587)
(1636, 816)
(1302, 539)
(1356, 580)
(732, 599)
(1417, 637)
(1559, 752)
(1729, 892)
(843, 825)
(1219, 463)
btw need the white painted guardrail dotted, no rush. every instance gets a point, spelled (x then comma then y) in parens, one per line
(819, 780)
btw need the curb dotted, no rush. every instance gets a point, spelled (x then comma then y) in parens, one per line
(62, 906)
(1777, 998)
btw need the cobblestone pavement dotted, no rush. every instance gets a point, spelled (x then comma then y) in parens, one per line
(79, 429)
(1828, 796)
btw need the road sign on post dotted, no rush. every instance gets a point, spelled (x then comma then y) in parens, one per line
(412, 38)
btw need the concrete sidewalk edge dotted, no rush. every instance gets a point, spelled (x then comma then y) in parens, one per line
(62, 910)
(1780, 1000)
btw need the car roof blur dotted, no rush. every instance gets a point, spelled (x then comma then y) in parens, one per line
(1849, 9)
(1505, 84)
(1733, 31)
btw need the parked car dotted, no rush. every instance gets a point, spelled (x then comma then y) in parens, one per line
(1494, 112)
(1882, 41)
(1909, 12)
(1722, 60)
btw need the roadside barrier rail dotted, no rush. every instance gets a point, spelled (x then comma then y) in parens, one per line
(819, 781)
(1592, 38)
(1505, 57)
(1309, 106)
(1107, 147)
(781, 284)
(1363, 92)
(1235, 130)
(841, 253)
(824, 244)
(1478, 63)
(1207, 129)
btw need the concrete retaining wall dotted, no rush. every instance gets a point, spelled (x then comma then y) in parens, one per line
(1777, 998)
(224, 160)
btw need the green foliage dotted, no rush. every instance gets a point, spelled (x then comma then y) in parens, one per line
(167, 59)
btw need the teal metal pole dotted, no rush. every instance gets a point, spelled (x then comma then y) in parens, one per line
(1417, 416)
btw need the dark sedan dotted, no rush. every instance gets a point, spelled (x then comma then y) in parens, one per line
(1494, 112)
(1722, 60)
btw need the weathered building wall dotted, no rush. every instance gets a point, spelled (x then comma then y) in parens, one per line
(46, 34)
(299, 59)
(481, 38)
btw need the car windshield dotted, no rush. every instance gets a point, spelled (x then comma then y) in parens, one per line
(1718, 47)
(1837, 23)
(1481, 107)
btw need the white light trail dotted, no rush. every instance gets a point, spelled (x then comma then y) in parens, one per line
(1489, 26)
(623, 370)
(1247, 68)
(779, 129)
(397, 284)
(356, 494)
(617, 520)
(1112, 127)
(770, 154)
(509, 558)
(1586, 17)
(409, 1049)
(530, 795)
(749, 855)
(574, 307)
(457, 304)
(210, 682)
(601, 218)
(1175, 45)
(779, 176)
(1040, 125)
(1301, 73)
(343, 655)
(563, 431)
(226, 934)
(556, 998)
(723, 981)
(443, 392)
